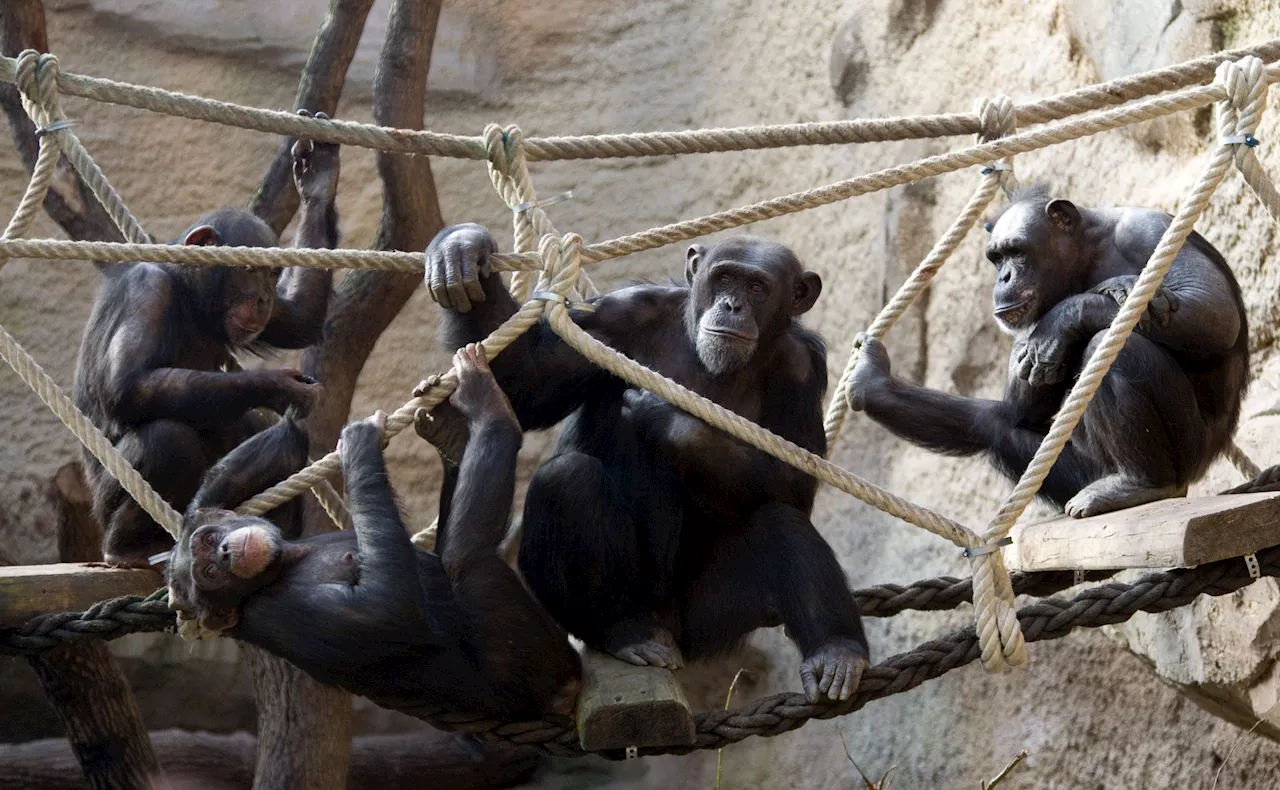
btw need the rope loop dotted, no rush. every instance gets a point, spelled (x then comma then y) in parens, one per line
(1246, 83)
(997, 118)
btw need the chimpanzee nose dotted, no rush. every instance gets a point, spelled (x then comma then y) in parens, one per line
(1005, 276)
(224, 551)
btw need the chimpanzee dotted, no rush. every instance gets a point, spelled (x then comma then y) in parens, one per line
(1170, 402)
(649, 534)
(157, 372)
(364, 609)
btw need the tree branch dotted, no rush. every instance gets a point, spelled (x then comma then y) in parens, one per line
(276, 199)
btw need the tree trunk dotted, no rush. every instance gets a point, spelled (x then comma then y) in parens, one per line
(83, 682)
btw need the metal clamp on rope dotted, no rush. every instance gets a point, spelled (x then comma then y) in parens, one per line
(1241, 139)
(1251, 562)
(551, 296)
(989, 548)
(56, 126)
(632, 752)
(996, 167)
(520, 208)
(1077, 577)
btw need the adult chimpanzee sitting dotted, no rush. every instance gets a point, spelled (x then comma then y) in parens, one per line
(651, 535)
(1170, 402)
(157, 372)
(365, 610)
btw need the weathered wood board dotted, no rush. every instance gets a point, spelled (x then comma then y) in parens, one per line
(623, 705)
(1171, 533)
(30, 590)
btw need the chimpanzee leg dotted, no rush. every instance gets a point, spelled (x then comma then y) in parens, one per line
(1144, 427)
(171, 456)
(584, 557)
(778, 565)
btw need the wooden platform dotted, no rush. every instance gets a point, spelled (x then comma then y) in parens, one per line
(1172, 533)
(623, 705)
(30, 590)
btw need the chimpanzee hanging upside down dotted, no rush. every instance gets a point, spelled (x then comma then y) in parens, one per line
(366, 610)
(1169, 404)
(157, 372)
(650, 534)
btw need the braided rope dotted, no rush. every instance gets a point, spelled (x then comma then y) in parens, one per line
(1043, 620)
(998, 118)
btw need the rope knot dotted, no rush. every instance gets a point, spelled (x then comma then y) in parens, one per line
(1245, 82)
(37, 80)
(561, 265)
(998, 118)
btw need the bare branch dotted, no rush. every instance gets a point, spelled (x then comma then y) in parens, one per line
(276, 199)
(69, 202)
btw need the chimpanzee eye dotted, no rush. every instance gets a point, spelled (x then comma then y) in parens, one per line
(208, 538)
(756, 288)
(724, 279)
(211, 571)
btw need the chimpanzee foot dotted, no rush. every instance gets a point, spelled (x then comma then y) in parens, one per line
(650, 653)
(1117, 492)
(563, 703)
(833, 671)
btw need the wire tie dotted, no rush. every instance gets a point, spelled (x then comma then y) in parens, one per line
(987, 548)
(1251, 562)
(520, 208)
(156, 559)
(1241, 139)
(56, 126)
(996, 167)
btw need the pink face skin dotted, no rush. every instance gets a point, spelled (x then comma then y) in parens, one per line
(223, 553)
(249, 296)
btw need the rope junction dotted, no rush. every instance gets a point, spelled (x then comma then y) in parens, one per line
(549, 271)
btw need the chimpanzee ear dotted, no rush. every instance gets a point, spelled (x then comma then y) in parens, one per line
(219, 618)
(201, 236)
(1063, 214)
(691, 260)
(807, 288)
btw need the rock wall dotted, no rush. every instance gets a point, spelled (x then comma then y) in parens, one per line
(576, 66)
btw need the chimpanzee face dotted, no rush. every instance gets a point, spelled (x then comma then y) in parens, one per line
(247, 294)
(1034, 249)
(744, 293)
(220, 560)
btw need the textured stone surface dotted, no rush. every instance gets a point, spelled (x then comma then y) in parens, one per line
(1091, 713)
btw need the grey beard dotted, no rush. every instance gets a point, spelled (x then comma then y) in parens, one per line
(721, 355)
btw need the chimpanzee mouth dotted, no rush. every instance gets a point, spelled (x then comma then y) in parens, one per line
(1011, 312)
(730, 333)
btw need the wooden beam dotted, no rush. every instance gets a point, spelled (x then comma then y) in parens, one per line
(30, 590)
(1171, 533)
(623, 705)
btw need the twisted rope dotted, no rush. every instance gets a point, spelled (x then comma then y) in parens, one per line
(998, 118)
(1043, 620)
(648, 144)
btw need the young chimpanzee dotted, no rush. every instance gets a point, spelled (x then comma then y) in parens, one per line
(1170, 402)
(365, 610)
(157, 372)
(651, 535)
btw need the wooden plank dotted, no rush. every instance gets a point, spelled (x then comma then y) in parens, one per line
(1172, 533)
(30, 590)
(623, 705)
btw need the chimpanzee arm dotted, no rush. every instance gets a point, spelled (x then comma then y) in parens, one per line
(479, 509)
(791, 408)
(260, 462)
(388, 560)
(302, 295)
(203, 398)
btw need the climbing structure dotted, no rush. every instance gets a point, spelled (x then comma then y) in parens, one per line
(549, 274)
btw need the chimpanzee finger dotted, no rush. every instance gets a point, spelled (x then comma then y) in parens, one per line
(439, 268)
(471, 274)
(1025, 366)
(453, 280)
(432, 276)
(851, 678)
(426, 385)
(809, 682)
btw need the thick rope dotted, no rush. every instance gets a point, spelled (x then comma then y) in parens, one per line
(1043, 620)
(649, 144)
(36, 76)
(997, 116)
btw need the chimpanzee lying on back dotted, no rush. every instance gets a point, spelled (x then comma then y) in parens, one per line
(1165, 410)
(366, 610)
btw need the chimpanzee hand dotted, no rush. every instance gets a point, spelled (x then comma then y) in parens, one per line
(871, 371)
(1041, 360)
(478, 395)
(292, 389)
(656, 420)
(456, 260)
(1159, 310)
(833, 671)
(443, 427)
(315, 167)
(374, 428)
